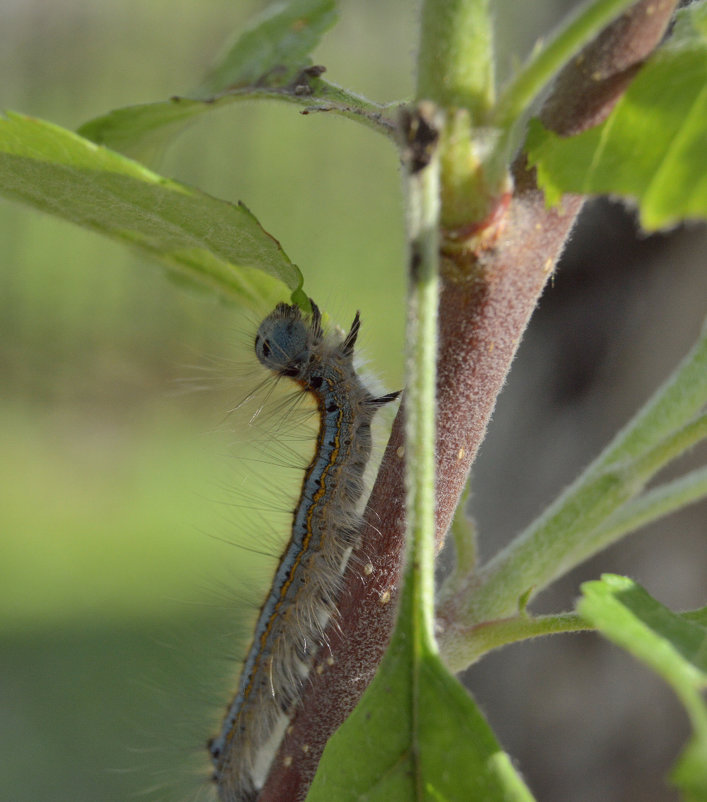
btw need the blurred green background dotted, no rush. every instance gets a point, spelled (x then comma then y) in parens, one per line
(120, 606)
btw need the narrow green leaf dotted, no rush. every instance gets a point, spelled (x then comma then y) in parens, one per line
(416, 735)
(206, 240)
(269, 54)
(672, 645)
(652, 148)
(273, 48)
(143, 131)
(269, 60)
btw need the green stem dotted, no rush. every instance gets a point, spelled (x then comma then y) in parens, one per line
(456, 63)
(422, 185)
(675, 444)
(463, 531)
(677, 401)
(460, 649)
(652, 505)
(572, 527)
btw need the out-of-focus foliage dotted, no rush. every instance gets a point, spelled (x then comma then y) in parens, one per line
(206, 241)
(120, 604)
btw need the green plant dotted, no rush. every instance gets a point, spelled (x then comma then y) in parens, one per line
(472, 198)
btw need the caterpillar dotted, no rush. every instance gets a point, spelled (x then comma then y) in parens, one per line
(325, 530)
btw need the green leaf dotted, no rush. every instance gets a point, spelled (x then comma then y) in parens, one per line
(652, 148)
(143, 131)
(273, 48)
(416, 735)
(269, 54)
(205, 240)
(672, 645)
(269, 60)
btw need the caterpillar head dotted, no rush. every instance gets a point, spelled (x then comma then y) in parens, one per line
(284, 340)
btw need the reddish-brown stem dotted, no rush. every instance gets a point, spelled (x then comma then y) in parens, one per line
(489, 291)
(589, 86)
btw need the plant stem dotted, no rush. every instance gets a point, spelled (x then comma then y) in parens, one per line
(456, 71)
(460, 649)
(570, 528)
(463, 645)
(422, 192)
(545, 62)
(486, 301)
(675, 444)
(677, 401)
(652, 505)
(698, 616)
(455, 62)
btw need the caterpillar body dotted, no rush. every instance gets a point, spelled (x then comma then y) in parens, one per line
(325, 529)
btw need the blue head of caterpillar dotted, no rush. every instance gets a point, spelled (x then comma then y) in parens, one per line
(284, 340)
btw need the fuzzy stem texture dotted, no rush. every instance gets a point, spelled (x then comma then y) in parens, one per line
(455, 62)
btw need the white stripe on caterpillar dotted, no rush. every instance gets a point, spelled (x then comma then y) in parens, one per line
(325, 529)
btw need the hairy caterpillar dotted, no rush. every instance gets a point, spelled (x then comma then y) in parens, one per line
(325, 529)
